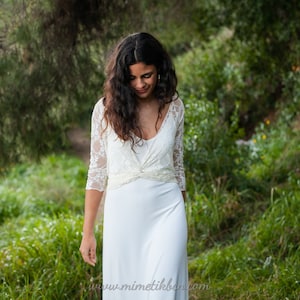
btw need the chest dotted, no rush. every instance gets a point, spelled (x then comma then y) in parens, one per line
(153, 151)
(150, 121)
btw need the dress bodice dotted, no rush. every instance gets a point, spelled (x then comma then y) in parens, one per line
(114, 162)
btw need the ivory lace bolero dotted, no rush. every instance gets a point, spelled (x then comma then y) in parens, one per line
(114, 163)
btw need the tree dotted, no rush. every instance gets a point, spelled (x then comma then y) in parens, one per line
(271, 30)
(51, 69)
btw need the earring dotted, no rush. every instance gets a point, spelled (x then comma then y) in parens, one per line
(158, 77)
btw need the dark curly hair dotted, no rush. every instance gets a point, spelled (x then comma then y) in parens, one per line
(120, 99)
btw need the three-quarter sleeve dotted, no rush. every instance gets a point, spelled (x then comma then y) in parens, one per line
(97, 173)
(178, 148)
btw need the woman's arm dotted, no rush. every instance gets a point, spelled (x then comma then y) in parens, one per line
(178, 148)
(88, 243)
(96, 183)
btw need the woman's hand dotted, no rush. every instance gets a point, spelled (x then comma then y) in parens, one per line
(88, 249)
(88, 242)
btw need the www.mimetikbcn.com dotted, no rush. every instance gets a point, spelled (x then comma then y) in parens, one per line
(160, 285)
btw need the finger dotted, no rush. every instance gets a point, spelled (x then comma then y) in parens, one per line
(92, 253)
(89, 256)
(92, 256)
(88, 260)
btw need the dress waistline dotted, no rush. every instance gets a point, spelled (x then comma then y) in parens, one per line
(117, 180)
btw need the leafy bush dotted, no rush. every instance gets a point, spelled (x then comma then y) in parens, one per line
(276, 143)
(210, 144)
(221, 195)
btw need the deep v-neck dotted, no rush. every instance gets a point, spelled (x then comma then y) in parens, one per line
(166, 116)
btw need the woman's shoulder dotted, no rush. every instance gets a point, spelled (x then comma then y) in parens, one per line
(100, 103)
(178, 103)
(98, 110)
(177, 99)
(99, 106)
(177, 108)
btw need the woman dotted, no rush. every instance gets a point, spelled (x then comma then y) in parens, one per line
(137, 159)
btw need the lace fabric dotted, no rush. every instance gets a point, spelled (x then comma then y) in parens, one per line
(114, 163)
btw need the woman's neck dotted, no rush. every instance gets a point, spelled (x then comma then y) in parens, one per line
(147, 101)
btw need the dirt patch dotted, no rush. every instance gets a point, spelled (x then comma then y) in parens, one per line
(79, 139)
(297, 123)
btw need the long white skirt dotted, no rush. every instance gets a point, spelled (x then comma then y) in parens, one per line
(144, 242)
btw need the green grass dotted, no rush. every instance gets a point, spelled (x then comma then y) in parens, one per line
(41, 220)
(262, 265)
(49, 188)
(40, 259)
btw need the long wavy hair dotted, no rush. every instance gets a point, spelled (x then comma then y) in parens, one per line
(120, 99)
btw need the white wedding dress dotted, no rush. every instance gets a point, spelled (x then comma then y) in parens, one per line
(144, 230)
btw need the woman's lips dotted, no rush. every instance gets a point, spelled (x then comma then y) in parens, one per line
(141, 91)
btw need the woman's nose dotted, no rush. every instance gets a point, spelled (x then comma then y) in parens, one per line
(140, 83)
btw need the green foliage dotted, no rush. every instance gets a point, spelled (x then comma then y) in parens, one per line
(253, 241)
(49, 189)
(253, 68)
(277, 146)
(221, 194)
(40, 259)
(213, 70)
(249, 219)
(271, 31)
(41, 220)
(278, 230)
(40, 95)
(261, 266)
(52, 70)
(210, 145)
(220, 71)
(52, 57)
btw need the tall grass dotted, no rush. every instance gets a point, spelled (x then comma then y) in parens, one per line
(262, 265)
(49, 188)
(41, 221)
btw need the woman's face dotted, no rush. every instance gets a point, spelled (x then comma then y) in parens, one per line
(143, 79)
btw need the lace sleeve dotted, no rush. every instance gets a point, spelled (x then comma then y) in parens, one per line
(97, 173)
(178, 147)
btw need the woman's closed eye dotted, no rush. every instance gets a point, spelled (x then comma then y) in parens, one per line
(147, 75)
